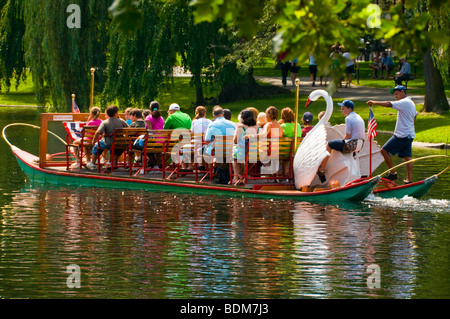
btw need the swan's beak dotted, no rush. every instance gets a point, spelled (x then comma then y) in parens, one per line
(308, 103)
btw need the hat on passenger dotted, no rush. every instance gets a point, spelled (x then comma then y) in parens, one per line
(174, 107)
(307, 117)
(347, 103)
(399, 88)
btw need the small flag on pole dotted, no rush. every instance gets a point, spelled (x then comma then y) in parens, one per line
(75, 108)
(372, 127)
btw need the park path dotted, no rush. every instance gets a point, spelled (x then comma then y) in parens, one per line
(355, 92)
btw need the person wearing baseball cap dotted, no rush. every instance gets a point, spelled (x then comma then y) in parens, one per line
(177, 119)
(401, 142)
(307, 119)
(354, 131)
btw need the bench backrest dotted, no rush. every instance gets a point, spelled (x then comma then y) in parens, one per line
(158, 140)
(271, 148)
(87, 135)
(124, 138)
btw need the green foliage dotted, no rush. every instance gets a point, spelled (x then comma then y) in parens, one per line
(61, 56)
(126, 15)
(12, 28)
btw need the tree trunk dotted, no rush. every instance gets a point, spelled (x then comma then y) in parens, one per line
(200, 99)
(435, 99)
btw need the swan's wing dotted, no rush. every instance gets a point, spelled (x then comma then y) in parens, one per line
(309, 156)
(335, 132)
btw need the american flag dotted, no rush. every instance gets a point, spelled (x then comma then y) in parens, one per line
(74, 129)
(372, 127)
(75, 108)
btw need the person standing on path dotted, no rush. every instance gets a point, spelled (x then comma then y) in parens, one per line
(401, 142)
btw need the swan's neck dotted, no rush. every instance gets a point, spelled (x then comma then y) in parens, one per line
(326, 117)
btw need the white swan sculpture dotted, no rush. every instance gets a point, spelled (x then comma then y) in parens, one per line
(313, 148)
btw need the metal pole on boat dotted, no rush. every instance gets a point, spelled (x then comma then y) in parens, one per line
(91, 103)
(297, 84)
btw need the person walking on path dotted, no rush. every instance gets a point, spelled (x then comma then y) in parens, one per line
(401, 142)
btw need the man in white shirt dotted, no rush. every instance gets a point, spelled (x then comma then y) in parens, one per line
(401, 142)
(354, 131)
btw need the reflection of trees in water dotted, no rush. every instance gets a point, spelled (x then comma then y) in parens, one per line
(156, 245)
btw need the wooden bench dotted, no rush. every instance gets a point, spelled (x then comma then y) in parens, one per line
(221, 155)
(87, 136)
(274, 151)
(411, 77)
(158, 147)
(187, 151)
(123, 142)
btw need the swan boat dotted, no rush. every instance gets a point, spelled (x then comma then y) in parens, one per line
(45, 169)
(348, 168)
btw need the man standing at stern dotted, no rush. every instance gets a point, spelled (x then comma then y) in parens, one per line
(401, 142)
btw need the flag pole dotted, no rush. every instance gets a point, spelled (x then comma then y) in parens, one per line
(92, 88)
(370, 156)
(297, 84)
(73, 99)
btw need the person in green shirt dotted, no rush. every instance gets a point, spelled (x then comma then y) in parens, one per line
(177, 119)
(287, 123)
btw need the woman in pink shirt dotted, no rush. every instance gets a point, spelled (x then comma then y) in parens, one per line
(154, 121)
(93, 120)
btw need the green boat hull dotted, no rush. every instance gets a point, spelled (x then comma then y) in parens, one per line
(355, 192)
(416, 190)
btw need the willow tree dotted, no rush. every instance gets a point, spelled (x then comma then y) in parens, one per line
(129, 78)
(12, 28)
(60, 52)
(142, 59)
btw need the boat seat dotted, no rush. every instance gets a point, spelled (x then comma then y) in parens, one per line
(187, 151)
(123, 142)
(273, 151)
(158, 149)
(87, 135)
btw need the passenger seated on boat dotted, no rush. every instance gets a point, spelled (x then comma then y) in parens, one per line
(287, 123)
(106, 128)
(136, 118)
(354, 131)
(307, 120)
(93, 120)
(223, 127)
(127, 115)
(248, 126)
(198, 128)
(155, 121)
(272, 129)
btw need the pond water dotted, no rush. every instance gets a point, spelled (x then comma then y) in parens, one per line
(140, 244)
